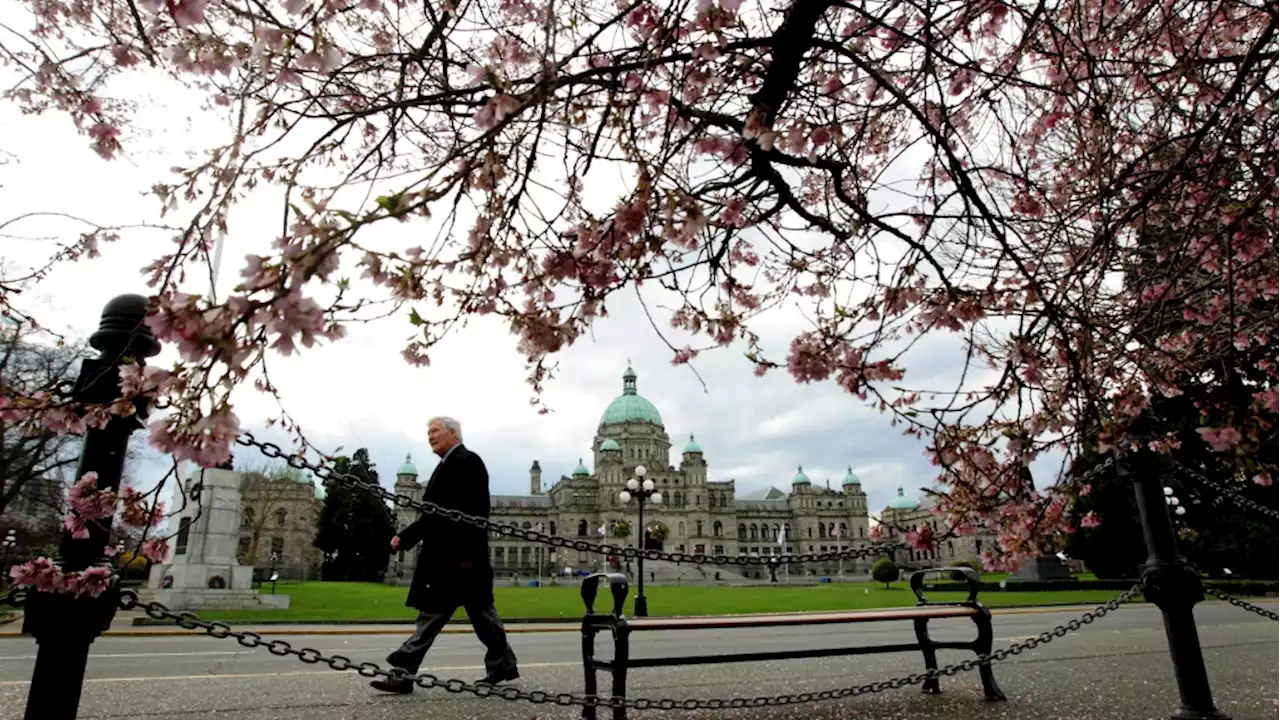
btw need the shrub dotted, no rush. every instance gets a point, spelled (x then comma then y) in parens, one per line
(884, 571)
(973, 564)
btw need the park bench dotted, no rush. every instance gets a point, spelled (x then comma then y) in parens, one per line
(621, 627)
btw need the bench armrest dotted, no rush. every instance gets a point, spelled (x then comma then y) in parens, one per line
(617, 587)
(969, 576)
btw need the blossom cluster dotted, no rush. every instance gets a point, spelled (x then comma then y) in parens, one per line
(1092, 223)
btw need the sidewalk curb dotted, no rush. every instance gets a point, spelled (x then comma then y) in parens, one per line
(517, 628)
(462, 628)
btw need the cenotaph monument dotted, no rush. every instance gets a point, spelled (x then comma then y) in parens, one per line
(202, 571)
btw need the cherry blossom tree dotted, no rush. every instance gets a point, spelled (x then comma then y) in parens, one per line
(991, 172)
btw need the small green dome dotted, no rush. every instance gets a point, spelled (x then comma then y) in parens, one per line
(609, 444)
(800, 478)
(581, 470)
(407, 467)
(630, 407)
(692, 446)
(902, 502)
(850, 478)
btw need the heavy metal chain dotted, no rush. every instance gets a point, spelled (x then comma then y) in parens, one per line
(1226, 492)
(325, 472)
(311, 656)
(1242, 604)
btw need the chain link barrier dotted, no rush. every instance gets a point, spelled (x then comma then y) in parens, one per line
(324, 472)
(1227, 493)
(1241, 604)
(311, 656)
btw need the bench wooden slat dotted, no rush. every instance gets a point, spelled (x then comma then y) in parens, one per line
(748, 621)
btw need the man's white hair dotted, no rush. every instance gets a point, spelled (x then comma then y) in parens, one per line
(449, 424)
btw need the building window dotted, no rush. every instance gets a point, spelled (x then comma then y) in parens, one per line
(499, 556)
(679, 501)
(282, 516)
(717, 529)
(553, 527)
(753, 531)
(697, 501)
(724, 500)
(862, 532)
(699, 529)
(582, 528)
(718, 549)
(742, 531)
(681, 528)
(700, 549)
(277, 547)
(844, 531)
(247, 520)
(184, 536)
(822, 532)
(524, 555)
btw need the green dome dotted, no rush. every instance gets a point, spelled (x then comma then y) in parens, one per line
(407, 468)
(692, 446)
(609, 444)
(581, 469)
(902, 502)
(850, 478)
(630, 407)
(800, 478)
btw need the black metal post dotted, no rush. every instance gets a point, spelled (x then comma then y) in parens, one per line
(65, 626)
(642, 603)
(1173, 585)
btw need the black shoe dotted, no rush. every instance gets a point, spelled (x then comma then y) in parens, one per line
(397, 687)
(501, 677)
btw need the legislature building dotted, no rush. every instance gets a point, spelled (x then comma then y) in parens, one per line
(697, 514)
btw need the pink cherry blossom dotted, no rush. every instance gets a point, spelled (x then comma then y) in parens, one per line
(1090, 520)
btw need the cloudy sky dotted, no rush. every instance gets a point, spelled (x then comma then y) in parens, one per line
(360, 393)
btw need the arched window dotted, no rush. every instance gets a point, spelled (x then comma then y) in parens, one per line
(681, 528)
(679, 501)
(553, 527)
(742, 531)
(844, 531)
(831, 530)
(822, 531)
(699, 529)
(753, 531)
(764, 532)
(724, 500)
(788, 527)
(526, 525)
(777, 532)
(862, 532)
(717, 529)
(582, 528)
(282, 516)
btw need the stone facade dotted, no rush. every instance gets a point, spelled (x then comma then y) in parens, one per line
(908, 513)
(698, 514)
(281, 514)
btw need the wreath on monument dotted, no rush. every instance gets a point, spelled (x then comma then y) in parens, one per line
(217, 583)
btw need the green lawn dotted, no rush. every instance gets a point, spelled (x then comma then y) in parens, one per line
(329, 602)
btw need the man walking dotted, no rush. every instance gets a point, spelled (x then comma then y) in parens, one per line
(453, 569)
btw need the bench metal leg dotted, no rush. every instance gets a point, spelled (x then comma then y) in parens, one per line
(930, 655)
(621, 658)
(589, 682)
(983, 646)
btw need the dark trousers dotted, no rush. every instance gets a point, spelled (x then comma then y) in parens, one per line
(498, 656)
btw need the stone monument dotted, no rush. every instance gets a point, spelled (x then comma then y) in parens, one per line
(1045, 566)
(202, 571)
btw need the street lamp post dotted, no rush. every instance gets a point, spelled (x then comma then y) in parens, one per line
(10, 541)
(643, 491)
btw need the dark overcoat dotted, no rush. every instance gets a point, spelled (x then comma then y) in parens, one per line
(453, 568)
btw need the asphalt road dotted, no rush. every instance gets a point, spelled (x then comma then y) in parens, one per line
(1116, 668)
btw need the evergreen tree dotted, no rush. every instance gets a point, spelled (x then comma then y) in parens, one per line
(356, 526)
